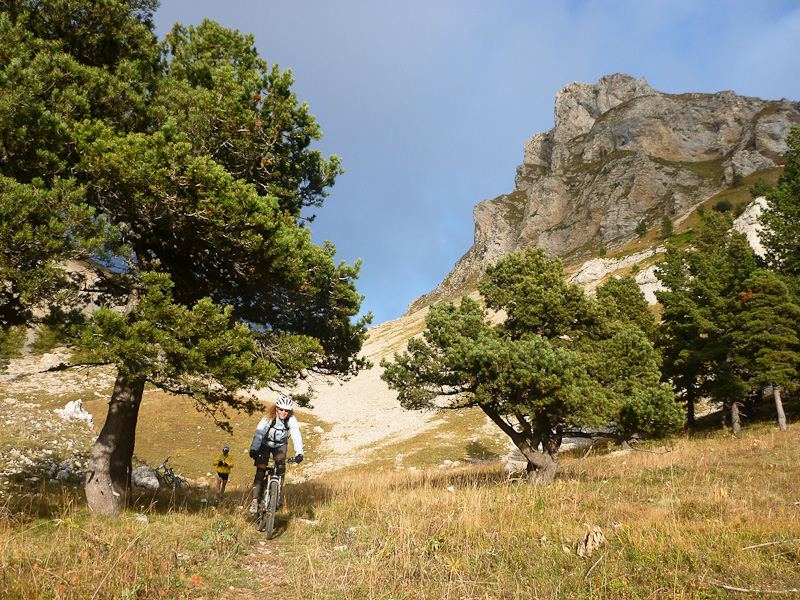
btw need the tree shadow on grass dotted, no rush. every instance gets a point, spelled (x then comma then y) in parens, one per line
(43, 489)
(478, 453)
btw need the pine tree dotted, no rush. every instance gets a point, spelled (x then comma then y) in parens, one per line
(781, 217)
(700, 313)
(629, 303)
(767, 334)
(558, 363)
(164, 184)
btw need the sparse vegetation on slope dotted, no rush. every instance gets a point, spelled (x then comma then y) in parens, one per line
(717, 510)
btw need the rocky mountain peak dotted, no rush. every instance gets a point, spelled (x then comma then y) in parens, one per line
(579, 105)
(620, 153)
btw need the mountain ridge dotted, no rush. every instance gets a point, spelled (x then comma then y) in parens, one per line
(620, 153)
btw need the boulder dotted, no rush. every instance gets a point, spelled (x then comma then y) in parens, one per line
(145, 477)
(75, 410)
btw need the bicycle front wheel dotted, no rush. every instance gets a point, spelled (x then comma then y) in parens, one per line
(261, 518)
(272, 508)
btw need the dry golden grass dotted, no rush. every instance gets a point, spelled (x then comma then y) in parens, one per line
(716, 510)
(676, 525)
(53, 548)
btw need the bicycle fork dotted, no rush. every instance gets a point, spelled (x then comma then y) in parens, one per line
(267, 486)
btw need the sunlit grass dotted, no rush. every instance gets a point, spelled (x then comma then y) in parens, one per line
(707, 510)
(54, 548)
(676, 525)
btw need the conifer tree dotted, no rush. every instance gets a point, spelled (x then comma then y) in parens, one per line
(700, 313)
(628, 303)
(679, 331)
(781, 216)
(558, 363)
(151, 198)
(767, 334)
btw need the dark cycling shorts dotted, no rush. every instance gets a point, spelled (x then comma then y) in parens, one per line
(223, 476)
(264, 453)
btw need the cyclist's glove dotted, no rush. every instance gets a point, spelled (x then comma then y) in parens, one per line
(298, 459)
(221, 464)
(253, 453)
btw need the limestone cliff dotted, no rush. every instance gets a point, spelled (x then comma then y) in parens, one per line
(620, 153)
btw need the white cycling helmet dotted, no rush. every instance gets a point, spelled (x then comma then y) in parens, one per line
(284, 402)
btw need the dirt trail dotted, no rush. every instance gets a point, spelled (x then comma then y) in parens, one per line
(263, 561)
(362, 414)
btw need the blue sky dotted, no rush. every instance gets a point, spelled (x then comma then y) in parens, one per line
(429, 103)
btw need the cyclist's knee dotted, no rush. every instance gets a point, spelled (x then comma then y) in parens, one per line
(280, 467)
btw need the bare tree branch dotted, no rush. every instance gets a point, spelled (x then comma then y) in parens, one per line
(755, 591)
(771, 544)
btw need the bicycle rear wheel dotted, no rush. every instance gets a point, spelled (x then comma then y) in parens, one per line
(272, 508)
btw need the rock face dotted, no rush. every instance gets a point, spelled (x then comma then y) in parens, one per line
(620, 153)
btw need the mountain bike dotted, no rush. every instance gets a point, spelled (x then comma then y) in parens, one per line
(168, 475)
(268, 504)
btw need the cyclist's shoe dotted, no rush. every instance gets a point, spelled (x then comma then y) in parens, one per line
(253, 508)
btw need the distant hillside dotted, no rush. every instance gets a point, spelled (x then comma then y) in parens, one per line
(620, 153)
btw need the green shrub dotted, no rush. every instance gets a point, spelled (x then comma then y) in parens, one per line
(760, 188)
(667, 228)
(11, 340)
(736, 178)
(723, 205)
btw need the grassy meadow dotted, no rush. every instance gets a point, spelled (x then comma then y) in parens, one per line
(706, 515)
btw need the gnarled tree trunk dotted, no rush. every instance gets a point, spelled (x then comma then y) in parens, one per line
(108, 478)
(542, 465)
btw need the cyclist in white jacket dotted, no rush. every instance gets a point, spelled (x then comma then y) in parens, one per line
(272, 438)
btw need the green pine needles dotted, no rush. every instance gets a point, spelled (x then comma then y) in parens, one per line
(542, 359)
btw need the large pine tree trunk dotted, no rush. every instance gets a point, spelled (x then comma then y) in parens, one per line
(108, 478)
(542, 465)
(776, 392)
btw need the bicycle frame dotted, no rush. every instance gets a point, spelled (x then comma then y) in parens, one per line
(172, 480)
(268, 503)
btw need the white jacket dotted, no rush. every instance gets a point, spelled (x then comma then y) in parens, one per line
(277, 433)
